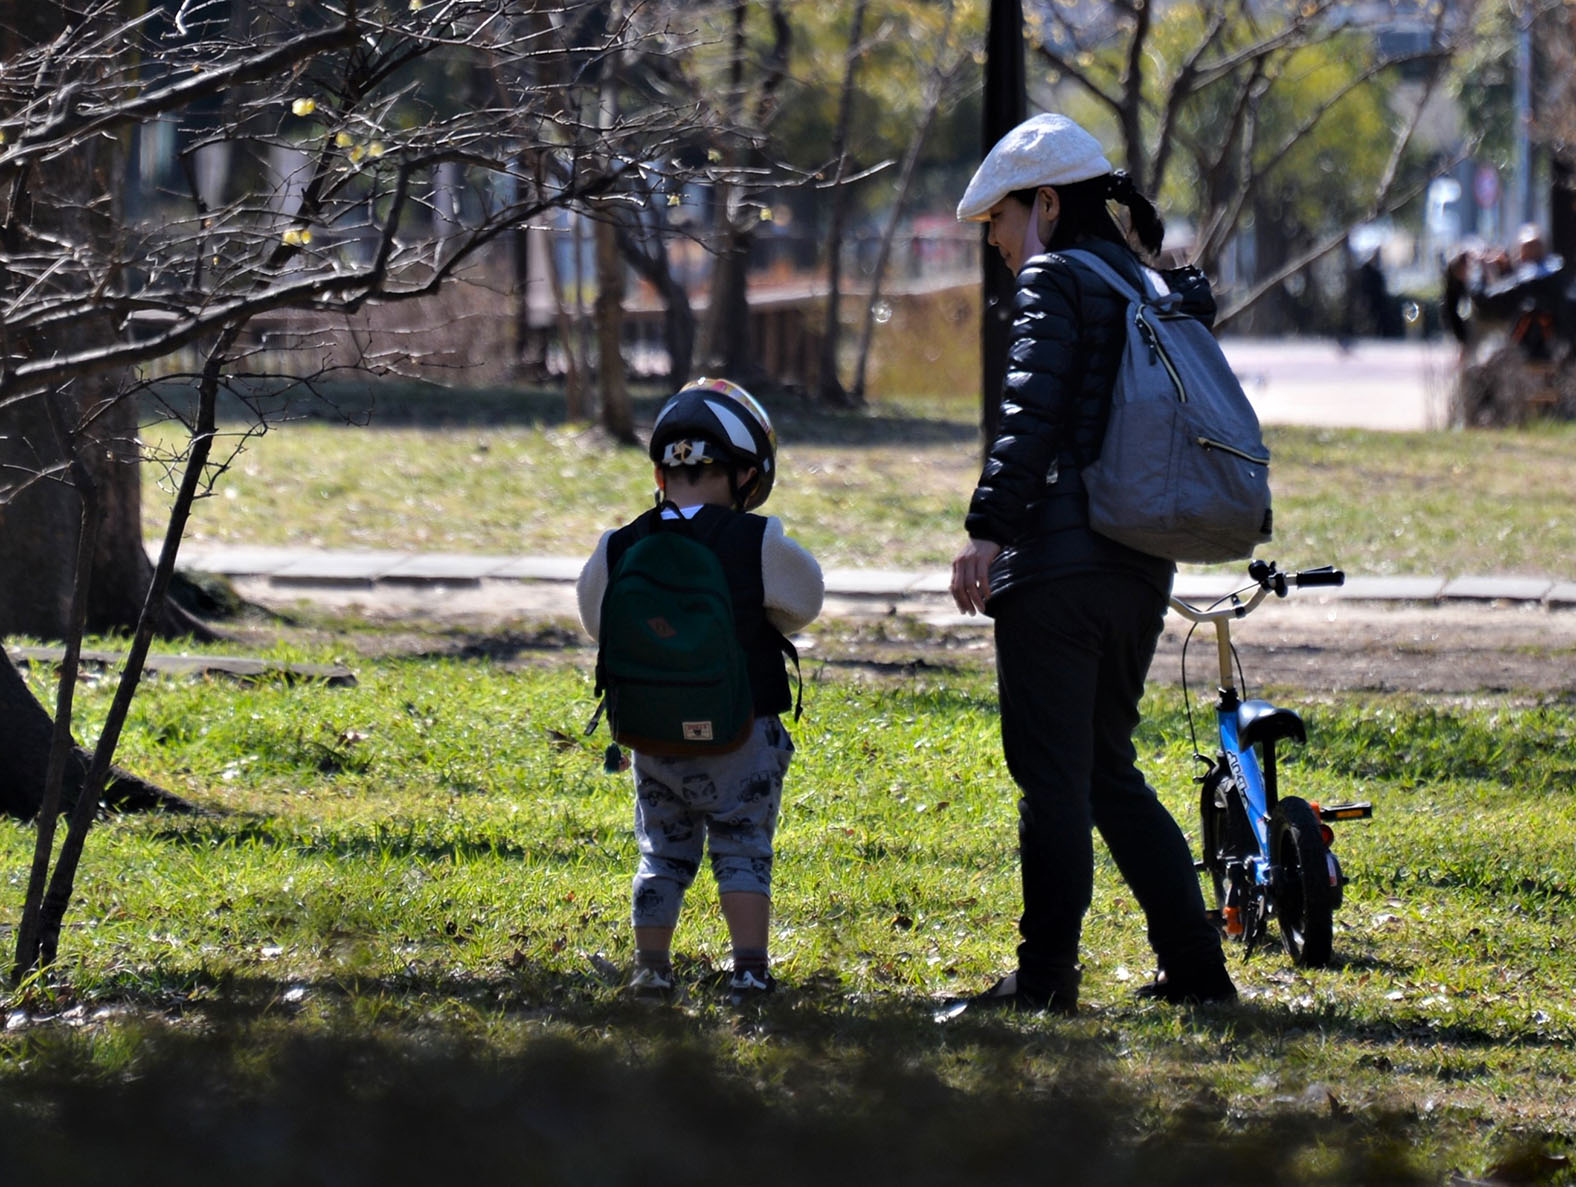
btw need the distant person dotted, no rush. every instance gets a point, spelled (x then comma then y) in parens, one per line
(1077, 615)
(1526, 291)
(715, 456)
(1375, 313)
(1455, 302)
(1532, 297)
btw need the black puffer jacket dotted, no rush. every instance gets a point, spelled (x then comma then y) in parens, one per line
(1067, 337)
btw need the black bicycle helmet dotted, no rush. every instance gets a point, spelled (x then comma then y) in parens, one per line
(715, 420)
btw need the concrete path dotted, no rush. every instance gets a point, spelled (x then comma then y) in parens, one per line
(529, 585)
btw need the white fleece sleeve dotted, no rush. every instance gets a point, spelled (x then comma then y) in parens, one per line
(590, 587)
(791, 578)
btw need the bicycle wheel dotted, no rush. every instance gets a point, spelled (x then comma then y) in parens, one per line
(1214, 828)
(1304, 903)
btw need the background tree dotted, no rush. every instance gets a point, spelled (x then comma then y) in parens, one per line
(831, 387)
(79, 206)
(1256, 101)
(365, 164)
(855, 102)
(1551, 47)
(1005, 107)
(947, 57)
(749, 91)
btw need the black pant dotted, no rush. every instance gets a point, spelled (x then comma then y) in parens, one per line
(1071, 658)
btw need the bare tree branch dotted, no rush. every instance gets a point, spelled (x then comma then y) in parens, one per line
(300, 164)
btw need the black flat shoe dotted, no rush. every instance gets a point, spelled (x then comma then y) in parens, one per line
(1203, 987)
(1005, 995)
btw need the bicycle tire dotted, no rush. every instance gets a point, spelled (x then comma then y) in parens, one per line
(1214, 827)
(1304, 903)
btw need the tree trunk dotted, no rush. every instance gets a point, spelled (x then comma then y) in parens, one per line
(25, 729)
(74, 198)
(41, 511)
(678, 326)
(728, 313)
(678, 317)
(831, 388)
(618, 417)
(90, 423)
(575, 402)
(725, 334)
(1005, 107)
(934, 85)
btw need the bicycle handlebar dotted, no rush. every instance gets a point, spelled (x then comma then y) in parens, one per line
(1324, 575)
(1269, 580)
(1274, 581)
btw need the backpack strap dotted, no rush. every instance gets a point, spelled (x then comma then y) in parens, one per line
(1155, 289)
(784, 644)
(642, 526)
(792, 652)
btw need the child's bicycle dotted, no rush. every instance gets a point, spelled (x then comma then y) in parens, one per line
(1268, 855)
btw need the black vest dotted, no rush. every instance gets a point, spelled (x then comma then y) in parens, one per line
(735, 536)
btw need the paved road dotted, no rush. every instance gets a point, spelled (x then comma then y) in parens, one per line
(1396, 385)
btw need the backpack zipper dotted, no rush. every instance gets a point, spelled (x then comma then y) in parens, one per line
(1155, 352)
(1211, 443)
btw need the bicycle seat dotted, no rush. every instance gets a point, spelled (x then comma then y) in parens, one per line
(1260, 721)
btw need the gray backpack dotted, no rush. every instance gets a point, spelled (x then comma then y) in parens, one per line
(1183, 472)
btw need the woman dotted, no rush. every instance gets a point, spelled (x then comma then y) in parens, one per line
(1076, 615)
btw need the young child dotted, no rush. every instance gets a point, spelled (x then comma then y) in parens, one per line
(715, 456)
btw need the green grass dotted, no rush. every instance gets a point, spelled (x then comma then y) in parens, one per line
(488, 474)
(388, 947)
(426, 875)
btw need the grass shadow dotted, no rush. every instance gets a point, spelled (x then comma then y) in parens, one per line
(217, 830)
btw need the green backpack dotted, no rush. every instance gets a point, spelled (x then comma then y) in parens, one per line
(672, 673)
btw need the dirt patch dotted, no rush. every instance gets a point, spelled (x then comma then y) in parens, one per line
(1460, 648)
(1314, 644)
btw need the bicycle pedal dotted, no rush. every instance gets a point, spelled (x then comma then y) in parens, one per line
(1354, 811)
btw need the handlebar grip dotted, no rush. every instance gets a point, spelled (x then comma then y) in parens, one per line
(1325, 575)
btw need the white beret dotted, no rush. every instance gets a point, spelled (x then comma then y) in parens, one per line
(1046, 149)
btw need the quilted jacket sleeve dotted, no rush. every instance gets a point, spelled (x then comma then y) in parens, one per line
(1046, 370)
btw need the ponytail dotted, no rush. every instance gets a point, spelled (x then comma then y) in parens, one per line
(1085, 213)
(1147, 223)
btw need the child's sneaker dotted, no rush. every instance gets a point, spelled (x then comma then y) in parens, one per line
(650, 985)
(747, 986)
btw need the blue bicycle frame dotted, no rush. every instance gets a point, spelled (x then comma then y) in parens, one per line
(1268, 856)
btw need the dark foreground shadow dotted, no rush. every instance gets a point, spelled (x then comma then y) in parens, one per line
(416, 1109)
(255, 1082)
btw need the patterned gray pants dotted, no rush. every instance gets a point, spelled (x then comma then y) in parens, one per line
(727, 802)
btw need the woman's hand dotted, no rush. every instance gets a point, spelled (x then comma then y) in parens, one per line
(971, 575)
